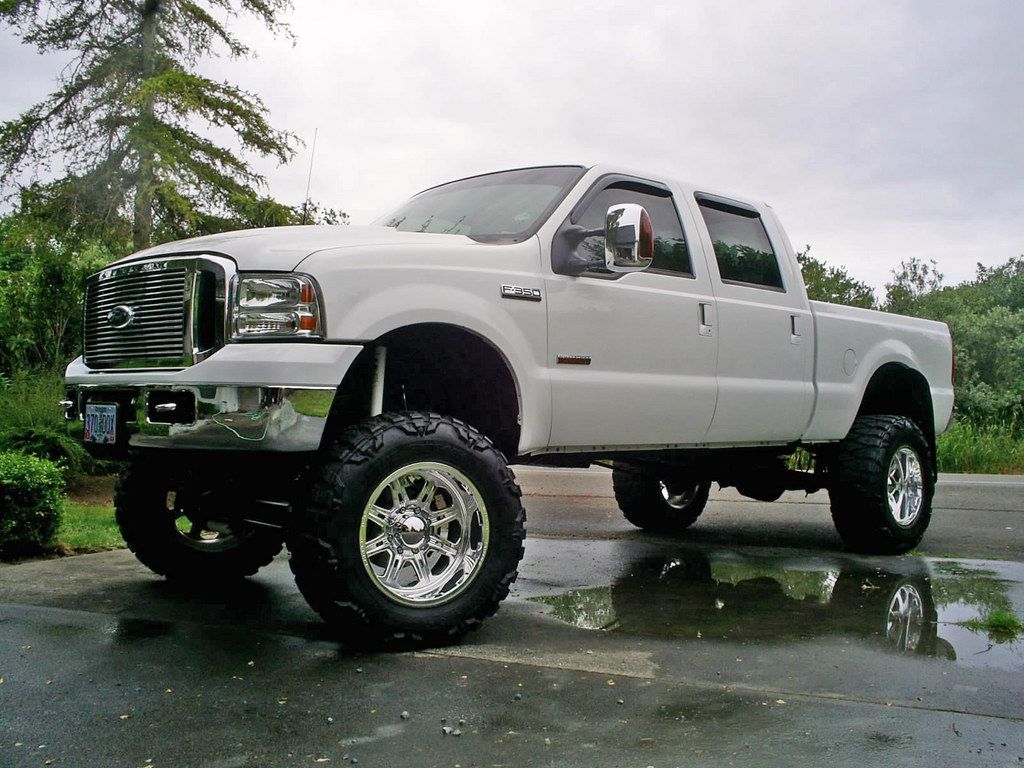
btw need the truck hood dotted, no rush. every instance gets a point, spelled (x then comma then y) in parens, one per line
(284, 248)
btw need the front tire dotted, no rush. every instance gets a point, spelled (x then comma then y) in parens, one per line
(883, 484)
(168, 529)
(659, 506)
(413, 531)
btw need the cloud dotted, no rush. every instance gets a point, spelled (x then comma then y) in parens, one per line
(877, 131)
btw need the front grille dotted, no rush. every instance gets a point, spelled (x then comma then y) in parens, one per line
(165, 312)
(154, 335)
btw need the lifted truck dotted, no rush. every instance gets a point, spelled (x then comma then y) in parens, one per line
(358, 392)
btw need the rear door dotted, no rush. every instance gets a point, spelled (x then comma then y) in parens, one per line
(632, 362)
(765, 329)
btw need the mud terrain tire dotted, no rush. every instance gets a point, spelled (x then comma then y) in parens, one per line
(331, 548)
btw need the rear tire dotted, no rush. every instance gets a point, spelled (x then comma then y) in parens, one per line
(659, 506)
(882, 486)
(413, 531)
(163, 524)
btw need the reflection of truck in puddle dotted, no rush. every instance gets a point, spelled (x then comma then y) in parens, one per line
(692, 594)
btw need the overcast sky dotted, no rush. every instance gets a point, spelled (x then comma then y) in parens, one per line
(877, 131)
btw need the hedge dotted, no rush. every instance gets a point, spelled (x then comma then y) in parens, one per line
(31, 502)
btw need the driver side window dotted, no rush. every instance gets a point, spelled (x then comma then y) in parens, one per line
(670, 251)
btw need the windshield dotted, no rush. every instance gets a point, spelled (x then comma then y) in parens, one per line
(508, 206)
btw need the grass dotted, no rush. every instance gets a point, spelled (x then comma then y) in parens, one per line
(29, 400)
(88, 528)
(994, 449)
(1001, 626)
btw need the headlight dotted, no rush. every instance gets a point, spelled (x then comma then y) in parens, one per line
(276, 306)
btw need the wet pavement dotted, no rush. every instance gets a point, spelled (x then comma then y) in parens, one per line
(613, 650)
(975, 515)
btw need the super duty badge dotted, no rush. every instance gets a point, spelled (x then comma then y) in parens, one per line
(518, 292)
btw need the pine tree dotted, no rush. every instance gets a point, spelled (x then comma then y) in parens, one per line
(131, 118)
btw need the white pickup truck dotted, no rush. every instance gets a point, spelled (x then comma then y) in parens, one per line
(358, 392)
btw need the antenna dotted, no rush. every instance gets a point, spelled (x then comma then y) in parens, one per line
(309, 176)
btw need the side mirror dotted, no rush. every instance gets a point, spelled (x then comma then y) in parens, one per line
(628, 238)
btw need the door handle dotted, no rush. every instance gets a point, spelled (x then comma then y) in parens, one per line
(795, 329)
(705, 319)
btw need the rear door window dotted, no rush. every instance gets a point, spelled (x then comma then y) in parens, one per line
(742, 249)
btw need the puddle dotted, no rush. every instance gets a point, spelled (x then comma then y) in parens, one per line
(904, 605)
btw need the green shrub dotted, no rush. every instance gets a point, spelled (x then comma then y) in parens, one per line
(31, 422)
(31, 502)
(53, 445)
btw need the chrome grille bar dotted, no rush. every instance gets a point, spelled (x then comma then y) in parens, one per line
(154, 313)
(156, 330)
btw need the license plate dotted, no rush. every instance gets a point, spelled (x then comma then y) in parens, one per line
(100, 423)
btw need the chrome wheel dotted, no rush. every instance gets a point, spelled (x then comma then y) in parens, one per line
(423, 534)
(203, 535)
(904, 625)
(904, 486)
(679, 498)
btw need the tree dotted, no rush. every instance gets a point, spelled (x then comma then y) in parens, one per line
(131, 116)
(986, 319)
(41, 277)
(833, 284)
(912, 280)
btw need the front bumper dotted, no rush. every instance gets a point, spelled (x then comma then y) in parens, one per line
(203, 407)
(208, 417)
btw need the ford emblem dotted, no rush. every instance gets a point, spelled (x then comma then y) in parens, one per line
(120, 316)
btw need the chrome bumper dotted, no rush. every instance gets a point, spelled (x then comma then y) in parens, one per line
(213, 417)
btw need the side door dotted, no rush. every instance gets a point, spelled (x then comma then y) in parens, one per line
(765, 343)
(632, 356)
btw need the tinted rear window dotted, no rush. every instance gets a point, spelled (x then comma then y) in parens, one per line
(742, 248)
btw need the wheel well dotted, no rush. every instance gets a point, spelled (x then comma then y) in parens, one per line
(440, 368)
(897, 390)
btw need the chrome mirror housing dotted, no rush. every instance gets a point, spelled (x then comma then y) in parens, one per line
(628, 238)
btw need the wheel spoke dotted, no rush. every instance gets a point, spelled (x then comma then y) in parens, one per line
(420, 567)
(378, 515)
(376, 545)
(390, 575)
(900, 602)
(444, 516)
(399, 493)
(445, 547)
(426, 494)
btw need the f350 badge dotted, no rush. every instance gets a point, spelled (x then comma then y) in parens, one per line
(518, 292)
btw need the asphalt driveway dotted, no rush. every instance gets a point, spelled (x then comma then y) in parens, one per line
(755, 641)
